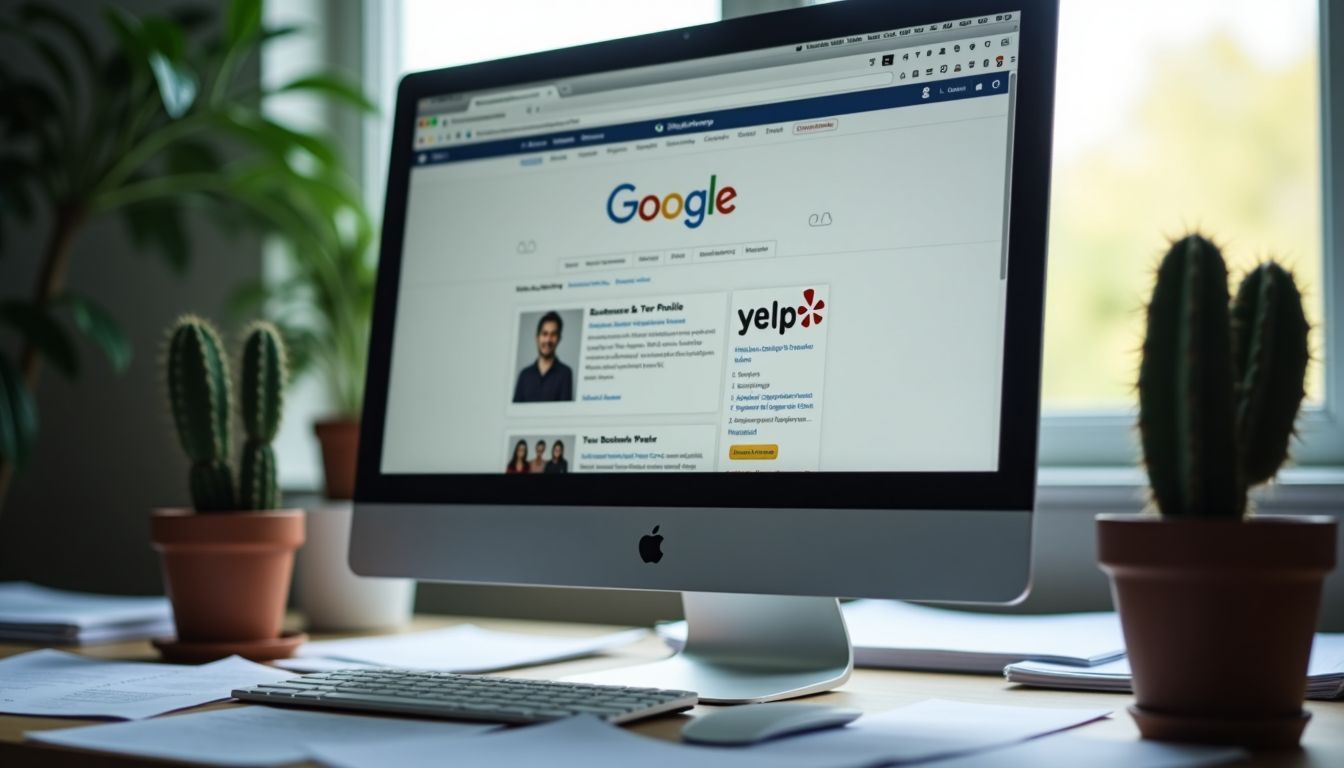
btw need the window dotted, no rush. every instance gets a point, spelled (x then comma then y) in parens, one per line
(1210, 119)
(1206, 120)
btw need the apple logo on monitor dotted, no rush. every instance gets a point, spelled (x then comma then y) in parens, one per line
(651, 546)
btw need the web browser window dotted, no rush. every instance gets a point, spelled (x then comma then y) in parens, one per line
(783, 260)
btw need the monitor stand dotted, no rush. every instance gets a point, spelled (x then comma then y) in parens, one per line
(742, 649)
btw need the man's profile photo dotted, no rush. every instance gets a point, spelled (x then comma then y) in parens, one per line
(546, 380)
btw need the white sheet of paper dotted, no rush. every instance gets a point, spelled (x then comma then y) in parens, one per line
(59, 684)
(306, 664)
(465, 648)
(932, 729)
(921, 731)
(1067, 749)
(247, 736)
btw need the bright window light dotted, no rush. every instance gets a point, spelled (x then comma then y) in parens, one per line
(437, 34)
(1172, 116)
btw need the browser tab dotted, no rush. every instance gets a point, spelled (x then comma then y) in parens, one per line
(542, 93)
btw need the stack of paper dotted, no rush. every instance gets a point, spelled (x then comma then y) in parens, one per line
(1325, 672)
(896, 635)
(464, 648)
(29, 613)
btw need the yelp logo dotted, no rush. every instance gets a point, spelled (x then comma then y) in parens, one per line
(782, 318)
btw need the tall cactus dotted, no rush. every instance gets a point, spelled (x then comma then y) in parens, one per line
(1219, 387)
(198, 393)
(1269, 342)
(263, 386)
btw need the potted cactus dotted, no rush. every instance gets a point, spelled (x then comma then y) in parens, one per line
(1218, 605)
(227, 561)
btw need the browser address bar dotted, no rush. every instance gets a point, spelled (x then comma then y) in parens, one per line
(739, 98)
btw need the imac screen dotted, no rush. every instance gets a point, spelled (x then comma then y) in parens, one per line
(786, 259)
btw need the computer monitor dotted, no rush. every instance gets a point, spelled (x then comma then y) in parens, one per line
(750, 311)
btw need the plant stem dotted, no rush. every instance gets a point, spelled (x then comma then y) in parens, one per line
(66, 224)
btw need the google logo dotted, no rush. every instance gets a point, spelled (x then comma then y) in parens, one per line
(624, 204)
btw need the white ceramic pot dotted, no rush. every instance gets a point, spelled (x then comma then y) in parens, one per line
(330, 595)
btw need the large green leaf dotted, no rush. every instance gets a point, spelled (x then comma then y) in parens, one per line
(189, 156)
(333, 85)
(243, 20)
(18, 415)
(192, 18)
(168, 61)
(98, 325)
(37, 327)
(281, 141)
(157, 226)
(160, 45)
(56, 63)
(52, 16)
(275, 33)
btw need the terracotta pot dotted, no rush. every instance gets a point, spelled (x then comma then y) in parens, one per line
(1218, 617)
(340, 455)
(227, 573)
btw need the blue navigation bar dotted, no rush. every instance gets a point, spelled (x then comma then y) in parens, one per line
(989, 84)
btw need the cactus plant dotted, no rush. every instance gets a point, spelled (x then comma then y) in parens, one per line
(264, 373)
(200, 396)
(1221, 381)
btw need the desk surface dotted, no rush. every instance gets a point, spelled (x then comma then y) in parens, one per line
(869, 689)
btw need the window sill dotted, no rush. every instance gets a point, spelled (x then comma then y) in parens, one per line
(1091, 489)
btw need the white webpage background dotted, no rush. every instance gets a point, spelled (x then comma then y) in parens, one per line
(914, 367)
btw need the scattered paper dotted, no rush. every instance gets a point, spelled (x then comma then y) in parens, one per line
(891, 634)
(248, 736)
(922, 731)
(1325, 672)
(31, 613)
(1101, 753)
(465, 648)
(59, 684)
(308, 664)
(931, 729)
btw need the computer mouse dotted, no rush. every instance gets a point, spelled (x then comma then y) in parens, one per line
(751, 723)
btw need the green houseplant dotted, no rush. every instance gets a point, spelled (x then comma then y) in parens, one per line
(160, 124)
(1218, 605)
(227, 562)
(322, 301)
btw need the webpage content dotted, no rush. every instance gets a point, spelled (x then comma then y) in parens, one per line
(815, 284)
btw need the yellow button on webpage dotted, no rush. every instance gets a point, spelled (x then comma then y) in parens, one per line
(762, 452)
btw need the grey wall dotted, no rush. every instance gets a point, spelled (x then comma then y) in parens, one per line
(77, 515)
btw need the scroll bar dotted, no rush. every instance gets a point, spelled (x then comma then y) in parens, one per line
(1008, 176)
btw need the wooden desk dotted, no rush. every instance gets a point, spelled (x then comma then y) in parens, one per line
(871, 690)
